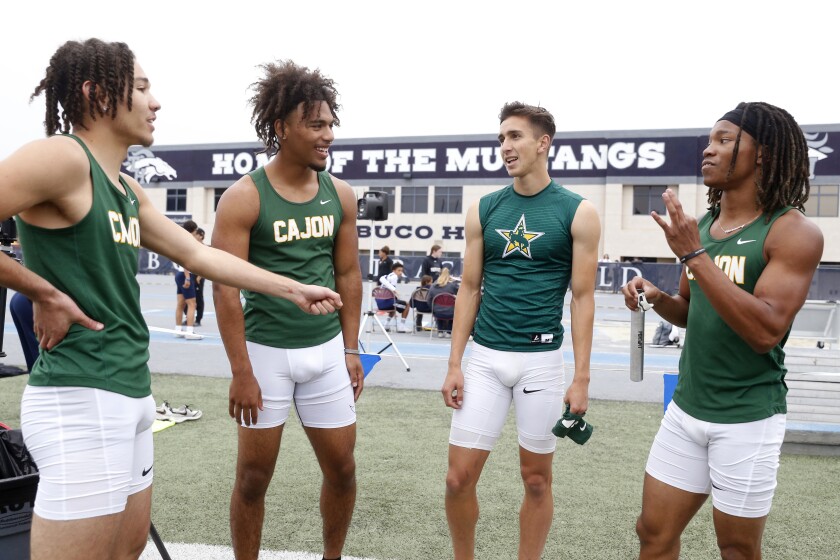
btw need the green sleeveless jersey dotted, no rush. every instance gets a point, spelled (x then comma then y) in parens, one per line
(297, 241)
(722, 379)
(95, 263)
(527, 268)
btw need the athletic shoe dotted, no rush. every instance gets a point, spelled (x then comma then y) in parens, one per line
(184, 413)
(193, 336)
(164, 408)
(402, 329)
(197, 323)
(440, 334)
(179, 334)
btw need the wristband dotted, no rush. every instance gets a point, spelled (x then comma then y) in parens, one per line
(351, 351)
(692, 254)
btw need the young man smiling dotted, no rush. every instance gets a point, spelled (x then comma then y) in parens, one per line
(527, 244)
(292, 216)
(87, 411)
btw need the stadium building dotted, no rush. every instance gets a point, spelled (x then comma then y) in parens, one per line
(430, 182)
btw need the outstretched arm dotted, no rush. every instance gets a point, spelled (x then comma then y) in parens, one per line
(162, 235)
(586, 233)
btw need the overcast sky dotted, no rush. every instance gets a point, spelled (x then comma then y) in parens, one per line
(431, 67)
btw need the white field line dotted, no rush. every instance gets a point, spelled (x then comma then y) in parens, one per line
(183, 551)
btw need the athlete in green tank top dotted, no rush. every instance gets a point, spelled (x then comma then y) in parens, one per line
(721, 378)
(527, 268)
(748, 268)
(115, 358)
(297, 239)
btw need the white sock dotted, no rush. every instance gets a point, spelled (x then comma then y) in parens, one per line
(177, 328)
(189, 329)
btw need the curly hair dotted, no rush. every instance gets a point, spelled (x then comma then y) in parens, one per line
(783, 177)
(539, 117)
(285, 86)
(109, 66)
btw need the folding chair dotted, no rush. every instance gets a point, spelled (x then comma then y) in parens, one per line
(419, 303)
(385, 304)
(443, 308)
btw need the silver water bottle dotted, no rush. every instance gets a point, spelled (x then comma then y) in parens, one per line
(637, 339)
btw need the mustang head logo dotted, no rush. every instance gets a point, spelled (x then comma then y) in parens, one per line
(143, 164)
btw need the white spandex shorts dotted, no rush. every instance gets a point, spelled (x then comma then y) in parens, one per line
(93, 449)
(534, 381)
(315, 377)
(736, 463)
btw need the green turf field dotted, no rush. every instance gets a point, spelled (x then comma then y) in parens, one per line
(401, 456)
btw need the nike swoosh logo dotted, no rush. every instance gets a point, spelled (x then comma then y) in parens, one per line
(147, 471)
(326, 201)
(583, 426)
(744, 241)
(527, 392)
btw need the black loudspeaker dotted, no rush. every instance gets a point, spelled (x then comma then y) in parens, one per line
(373, 206)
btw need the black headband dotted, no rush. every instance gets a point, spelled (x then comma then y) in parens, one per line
(748, 125)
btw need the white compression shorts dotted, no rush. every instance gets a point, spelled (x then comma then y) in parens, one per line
(534, 381)
(93, 449)
(315, 377)
(736, 463)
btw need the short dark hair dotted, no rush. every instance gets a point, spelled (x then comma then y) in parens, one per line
(539, 117)
(397, 265)
(190, 226)
(385, 249)
(285, 86)
(109, 66)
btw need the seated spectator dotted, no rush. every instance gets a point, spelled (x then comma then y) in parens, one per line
(390, 282)
(444, 284)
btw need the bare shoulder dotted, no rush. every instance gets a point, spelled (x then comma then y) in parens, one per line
(240, 201)
(57, 155)
(586, 219)
(343, 188)
(793, 234)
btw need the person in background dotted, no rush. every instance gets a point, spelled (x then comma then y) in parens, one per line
(383, 267)
(445, 284)
(390, 282)
(431, 262)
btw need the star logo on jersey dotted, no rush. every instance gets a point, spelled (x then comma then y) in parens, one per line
(519, 238)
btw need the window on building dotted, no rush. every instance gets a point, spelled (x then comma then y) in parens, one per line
(448, 200)
(414, 200)
(217, 195)
(647, 199)
(176, 200)
(823, 201)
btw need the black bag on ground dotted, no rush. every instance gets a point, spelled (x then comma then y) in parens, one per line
(15, 460)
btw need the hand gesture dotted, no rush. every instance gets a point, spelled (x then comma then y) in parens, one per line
(453, 387)
(357, 374)
(244, 399)
(317, 300)
(682, 234)
(53, 316)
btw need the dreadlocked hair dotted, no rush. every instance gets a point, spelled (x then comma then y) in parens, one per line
(285, 86)
(110, 68)
(783, 179)
(539, 117)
